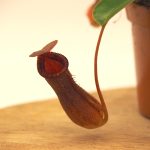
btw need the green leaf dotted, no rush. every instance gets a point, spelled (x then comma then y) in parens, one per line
(105, 9)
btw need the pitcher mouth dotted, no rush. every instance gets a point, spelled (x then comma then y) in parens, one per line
(51, 64)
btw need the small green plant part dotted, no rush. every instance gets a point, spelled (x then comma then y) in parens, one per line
(105, 9)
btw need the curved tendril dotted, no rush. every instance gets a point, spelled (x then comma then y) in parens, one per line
(96, 76)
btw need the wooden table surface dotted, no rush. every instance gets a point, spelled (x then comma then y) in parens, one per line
(44, 126)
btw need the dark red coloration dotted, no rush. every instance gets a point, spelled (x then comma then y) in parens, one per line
(82, 108)
(52, 66)
(49, 64)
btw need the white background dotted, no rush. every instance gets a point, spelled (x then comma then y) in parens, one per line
(28, 25)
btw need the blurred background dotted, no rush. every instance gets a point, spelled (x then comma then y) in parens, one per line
(28, 25)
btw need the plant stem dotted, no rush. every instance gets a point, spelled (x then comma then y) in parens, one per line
(96, 75)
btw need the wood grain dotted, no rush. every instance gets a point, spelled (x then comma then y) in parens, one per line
(44, 126)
